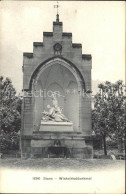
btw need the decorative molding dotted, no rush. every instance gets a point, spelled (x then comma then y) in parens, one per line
(66, 34)
(37, 43)
(29, 55)
(48, 34)
(87, 57)
(57, 49)
(58, 23)
(76, 45)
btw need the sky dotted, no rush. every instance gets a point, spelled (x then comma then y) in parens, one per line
(99, 26)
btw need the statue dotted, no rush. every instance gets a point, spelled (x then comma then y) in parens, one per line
(55, 113)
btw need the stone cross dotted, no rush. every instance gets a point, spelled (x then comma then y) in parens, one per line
(57, 6)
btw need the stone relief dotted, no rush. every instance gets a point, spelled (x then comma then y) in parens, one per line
(57, 49)
(55, 112)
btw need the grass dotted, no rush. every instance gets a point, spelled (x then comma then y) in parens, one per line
(60, 163)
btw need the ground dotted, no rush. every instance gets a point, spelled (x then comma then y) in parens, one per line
(60, 163)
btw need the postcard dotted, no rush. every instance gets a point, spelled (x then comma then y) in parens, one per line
(62, 86)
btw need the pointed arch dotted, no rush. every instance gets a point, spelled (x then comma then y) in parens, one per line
(63, 61)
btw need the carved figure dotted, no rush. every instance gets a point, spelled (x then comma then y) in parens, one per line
(54, 113)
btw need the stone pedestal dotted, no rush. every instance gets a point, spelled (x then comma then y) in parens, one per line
(56, 126)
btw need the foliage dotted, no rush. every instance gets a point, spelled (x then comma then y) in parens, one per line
(10, 115)
(109, 113)
(9, 141)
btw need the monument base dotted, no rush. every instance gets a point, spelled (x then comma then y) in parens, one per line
(69, 146)
(56, 126)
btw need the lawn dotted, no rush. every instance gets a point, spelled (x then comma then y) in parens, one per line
(61, 163)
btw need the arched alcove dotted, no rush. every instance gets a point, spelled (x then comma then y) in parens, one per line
(60, 78)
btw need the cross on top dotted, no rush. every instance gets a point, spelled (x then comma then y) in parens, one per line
(57, 6)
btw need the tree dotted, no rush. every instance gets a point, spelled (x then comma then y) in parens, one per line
(118, 117)
(108, 115)
(10, 115)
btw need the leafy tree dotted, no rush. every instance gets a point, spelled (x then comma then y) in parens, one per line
(10, 115)
(109, 113)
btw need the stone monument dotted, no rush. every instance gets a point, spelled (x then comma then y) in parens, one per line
(56, 110)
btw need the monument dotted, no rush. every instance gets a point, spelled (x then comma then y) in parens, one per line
(56, 110)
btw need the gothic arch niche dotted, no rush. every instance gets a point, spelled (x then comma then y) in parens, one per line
(72, 104)
(60, 77)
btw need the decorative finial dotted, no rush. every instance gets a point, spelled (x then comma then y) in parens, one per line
(57, 16)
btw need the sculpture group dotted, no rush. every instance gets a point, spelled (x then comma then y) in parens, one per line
(55, 112)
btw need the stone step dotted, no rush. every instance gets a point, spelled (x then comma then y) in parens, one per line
(56, 126)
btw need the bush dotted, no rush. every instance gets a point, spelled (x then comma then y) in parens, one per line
(10, 115)
(9, 141)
